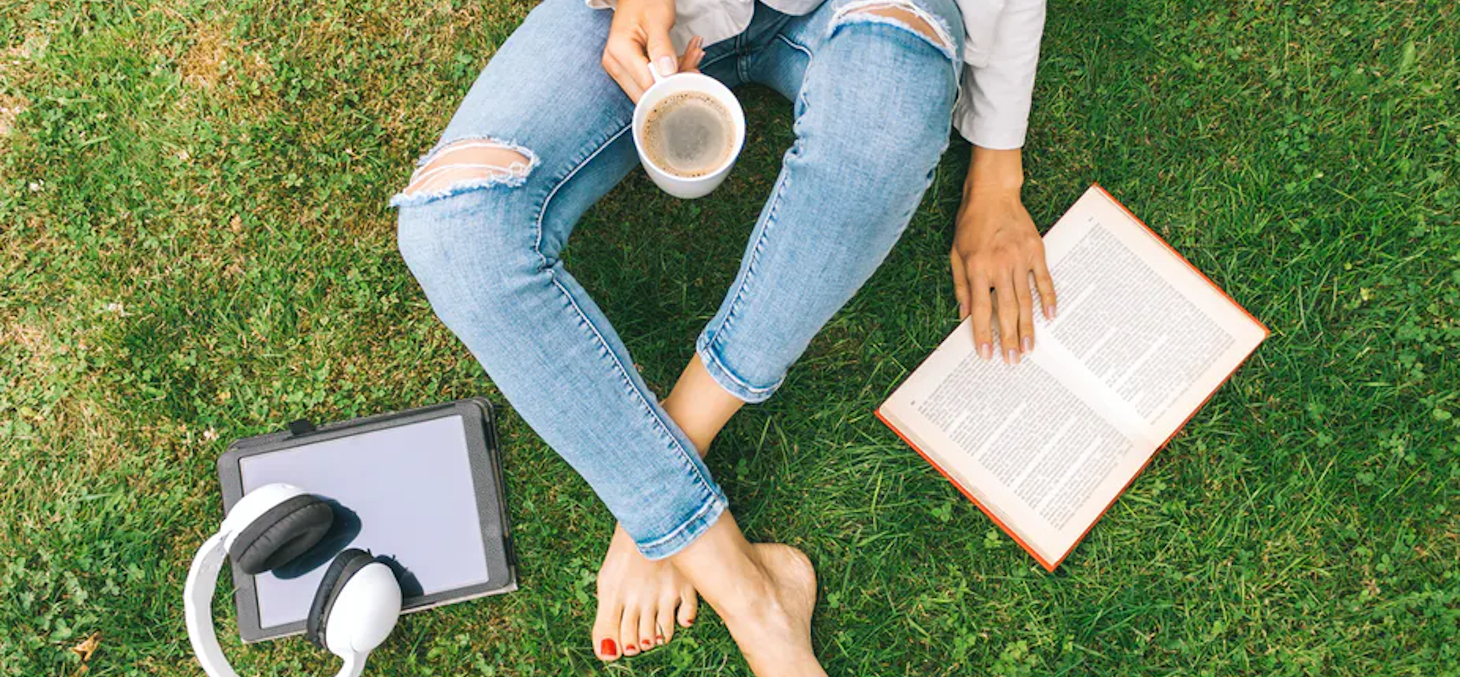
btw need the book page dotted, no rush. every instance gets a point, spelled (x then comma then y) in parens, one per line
(1137, 317)
(1034, 447)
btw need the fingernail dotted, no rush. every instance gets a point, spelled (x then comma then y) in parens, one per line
(608, 648)
(1028, 343)
(1049, 311)
(986, 351)
(666, 66)
(1013, 356)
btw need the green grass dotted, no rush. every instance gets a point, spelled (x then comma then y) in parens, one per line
(195, 247)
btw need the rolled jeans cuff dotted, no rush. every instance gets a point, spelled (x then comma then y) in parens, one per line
(733, 383)
(681, 536)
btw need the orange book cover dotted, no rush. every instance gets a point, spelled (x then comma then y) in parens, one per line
(1048, 565)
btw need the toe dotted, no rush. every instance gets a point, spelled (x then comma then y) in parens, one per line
(689, 603)
(646, 627)
(628, 632)
(664, 622)
(605, 630)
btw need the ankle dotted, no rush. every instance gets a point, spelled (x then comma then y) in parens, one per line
(699, 432)
(724, 567)
(700, 405)
(754, 594)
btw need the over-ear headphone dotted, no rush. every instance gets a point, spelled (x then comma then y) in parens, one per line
(354, 609)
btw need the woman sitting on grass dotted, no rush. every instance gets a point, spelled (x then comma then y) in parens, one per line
(544, 134)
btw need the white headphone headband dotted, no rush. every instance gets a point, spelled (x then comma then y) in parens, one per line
(198, 607)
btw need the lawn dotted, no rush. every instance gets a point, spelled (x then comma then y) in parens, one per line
(195, 247)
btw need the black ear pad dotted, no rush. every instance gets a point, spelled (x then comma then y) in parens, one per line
(335, 578)
(282, 533)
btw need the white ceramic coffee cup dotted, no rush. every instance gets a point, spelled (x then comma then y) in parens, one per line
(680, 186)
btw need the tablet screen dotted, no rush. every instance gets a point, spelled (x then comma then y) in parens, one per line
(404, 492)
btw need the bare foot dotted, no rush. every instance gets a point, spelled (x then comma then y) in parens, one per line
(639, 601)
(773, 626)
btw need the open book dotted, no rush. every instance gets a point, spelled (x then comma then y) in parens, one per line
(1044, 447)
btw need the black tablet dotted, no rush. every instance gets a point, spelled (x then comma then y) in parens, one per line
(420, 488)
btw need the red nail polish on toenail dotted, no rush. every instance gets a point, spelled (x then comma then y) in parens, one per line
(646, 643)
(608, 648)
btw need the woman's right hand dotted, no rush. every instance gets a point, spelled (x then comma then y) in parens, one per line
(640, 34)
(996, 252)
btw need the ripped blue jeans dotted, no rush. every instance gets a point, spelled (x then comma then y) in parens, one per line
(873, 102)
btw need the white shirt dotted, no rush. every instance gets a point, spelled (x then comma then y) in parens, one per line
(1000, 53)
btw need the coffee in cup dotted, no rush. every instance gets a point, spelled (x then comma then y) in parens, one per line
(689, 134)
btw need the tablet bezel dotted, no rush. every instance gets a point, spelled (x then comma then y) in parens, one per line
(486, 475)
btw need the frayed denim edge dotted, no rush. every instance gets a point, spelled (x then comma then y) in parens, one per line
(511, 181)
(852, 13)
(690, 529)
(515, 174)
(727, 379)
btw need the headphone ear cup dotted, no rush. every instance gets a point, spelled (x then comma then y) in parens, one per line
(281, 534)
(335, 577)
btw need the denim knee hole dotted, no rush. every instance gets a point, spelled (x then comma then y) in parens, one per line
(903, 14)
(463, 165)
